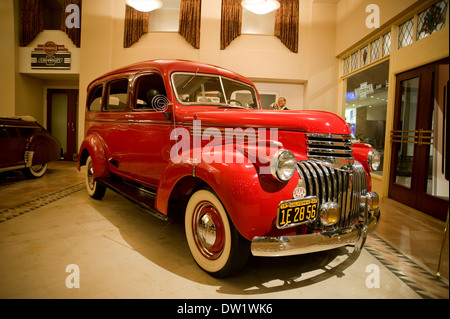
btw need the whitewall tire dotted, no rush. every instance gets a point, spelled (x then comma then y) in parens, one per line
(36, 171)
(94, 189)
(215, 244)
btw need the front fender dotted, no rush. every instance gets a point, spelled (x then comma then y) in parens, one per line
(250, 198)
(93, 146)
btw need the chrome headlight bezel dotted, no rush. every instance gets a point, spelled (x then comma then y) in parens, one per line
(374, 160)
(282, 165)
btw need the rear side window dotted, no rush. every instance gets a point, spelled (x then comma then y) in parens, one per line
(117, 95)
(95, 99)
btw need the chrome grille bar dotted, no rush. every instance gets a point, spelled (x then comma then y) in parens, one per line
(329, 184)
(330, 148)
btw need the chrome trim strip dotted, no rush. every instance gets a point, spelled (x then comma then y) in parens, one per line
(28, 158)
(329, 143)
(329, 150)
(329, 135)
(131, 121)
(18, 126)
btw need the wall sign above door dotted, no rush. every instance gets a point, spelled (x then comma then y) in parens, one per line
(51, 56)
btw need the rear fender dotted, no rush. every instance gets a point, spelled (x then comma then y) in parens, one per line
(41, 149)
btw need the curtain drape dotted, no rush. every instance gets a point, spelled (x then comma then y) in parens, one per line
(73, 33)
(136, 24)
(31, 20)
(231, 22)
(287, 23)
(190, 14)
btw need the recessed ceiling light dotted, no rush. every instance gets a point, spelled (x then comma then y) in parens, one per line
(144, 5)
(261, 6)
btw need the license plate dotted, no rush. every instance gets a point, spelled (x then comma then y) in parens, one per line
(297, 212)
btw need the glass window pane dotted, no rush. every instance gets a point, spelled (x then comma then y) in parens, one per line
(117, 96)
(387, 44)
(95, 100)
(59, 118)
(410, 95)
(354, 61)
(150, 93)
(166, 18)
(346, 66)
(258, 24)
(193, 88)
(366, 106)
(375, 50)
(432, 19)
(364, 54)
(437, 185)
(405, 35)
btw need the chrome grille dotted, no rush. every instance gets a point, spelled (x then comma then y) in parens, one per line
(342, 186)
(333, 149)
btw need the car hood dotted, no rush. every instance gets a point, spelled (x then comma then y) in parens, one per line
(299, 121)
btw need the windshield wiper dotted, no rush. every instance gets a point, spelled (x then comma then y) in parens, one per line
(192, 77)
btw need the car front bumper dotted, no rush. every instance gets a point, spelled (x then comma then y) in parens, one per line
(309, 243)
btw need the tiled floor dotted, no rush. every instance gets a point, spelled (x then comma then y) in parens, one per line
(52, 233)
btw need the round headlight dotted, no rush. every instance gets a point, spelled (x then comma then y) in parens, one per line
(374, 160)
(282, 165)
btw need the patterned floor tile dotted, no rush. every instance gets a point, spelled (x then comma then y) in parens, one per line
(421, 280)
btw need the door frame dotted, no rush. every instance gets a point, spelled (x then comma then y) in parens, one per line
(72, 118)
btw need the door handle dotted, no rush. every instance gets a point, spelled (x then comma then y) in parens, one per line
(420, 137)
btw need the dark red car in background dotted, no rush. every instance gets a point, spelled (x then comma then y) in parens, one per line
(26, 145)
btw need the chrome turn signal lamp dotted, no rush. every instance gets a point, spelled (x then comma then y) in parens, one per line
(373, 200)
(330, 213)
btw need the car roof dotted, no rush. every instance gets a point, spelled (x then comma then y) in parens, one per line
(167, 67)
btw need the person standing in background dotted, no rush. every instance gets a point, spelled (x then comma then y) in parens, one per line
(281, 105)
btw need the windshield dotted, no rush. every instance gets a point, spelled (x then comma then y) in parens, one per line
(201, 89)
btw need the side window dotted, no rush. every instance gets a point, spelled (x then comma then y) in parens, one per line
(95, 99)
(150, 93)
(117, 95)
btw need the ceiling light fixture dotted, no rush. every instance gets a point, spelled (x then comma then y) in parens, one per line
(261, 6)
(144, 5)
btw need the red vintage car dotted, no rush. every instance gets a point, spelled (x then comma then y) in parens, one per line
(188, 139)
(26, 145)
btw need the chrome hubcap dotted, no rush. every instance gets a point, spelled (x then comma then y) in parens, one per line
(208, 230)
(90, 176)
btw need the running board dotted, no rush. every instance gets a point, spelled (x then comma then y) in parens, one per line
(144, 198)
